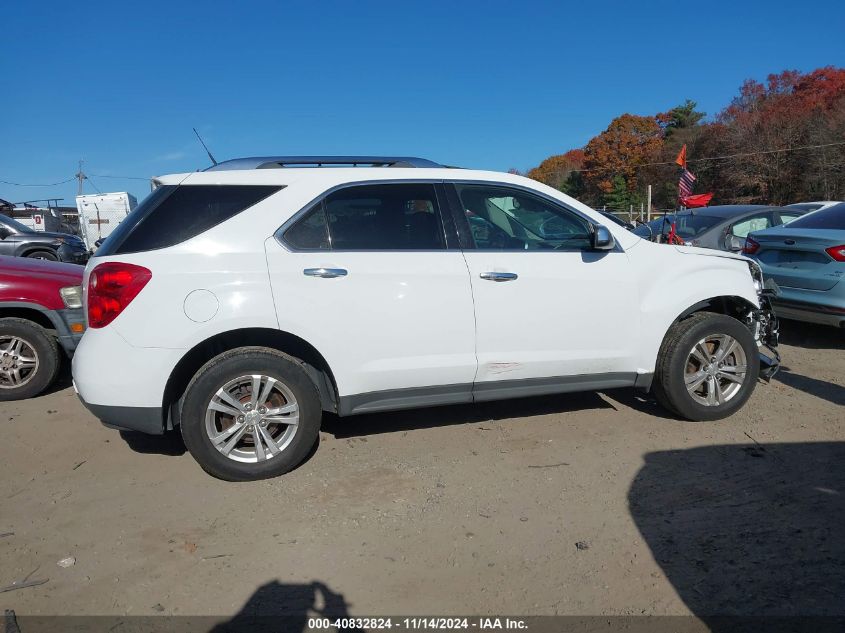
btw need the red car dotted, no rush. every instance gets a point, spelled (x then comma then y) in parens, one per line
(41, 319)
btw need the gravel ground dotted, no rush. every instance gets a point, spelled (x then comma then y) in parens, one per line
(578, 504)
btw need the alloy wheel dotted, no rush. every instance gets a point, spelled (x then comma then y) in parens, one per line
(715, 370)
(18, 362)
(252, 418)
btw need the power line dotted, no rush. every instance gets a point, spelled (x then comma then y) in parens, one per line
(120, 177)
(88, 178)
(726, 156)
(52, 184)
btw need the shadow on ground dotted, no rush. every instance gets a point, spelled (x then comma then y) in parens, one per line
(434, 417)
(372, 424)
(811, 336)
(168, 444)
(285, 607)
(747, 530)
(823, 389)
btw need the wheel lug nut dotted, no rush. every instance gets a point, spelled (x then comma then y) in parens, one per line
(240, 418)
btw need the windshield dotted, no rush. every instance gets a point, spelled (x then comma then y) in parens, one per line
(830, 218)
(15, 225)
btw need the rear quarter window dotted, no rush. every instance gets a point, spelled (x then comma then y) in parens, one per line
(830, 218)
(175, 213)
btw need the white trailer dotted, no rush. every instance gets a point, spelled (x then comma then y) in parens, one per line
(100, 213)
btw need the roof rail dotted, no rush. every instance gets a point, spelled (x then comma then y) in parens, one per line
(278, 162)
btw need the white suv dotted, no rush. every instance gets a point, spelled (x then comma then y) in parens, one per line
(239, 303)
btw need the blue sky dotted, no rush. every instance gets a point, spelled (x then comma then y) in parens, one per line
(490, 84)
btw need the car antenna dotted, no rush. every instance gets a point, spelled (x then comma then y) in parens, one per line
(205, 147)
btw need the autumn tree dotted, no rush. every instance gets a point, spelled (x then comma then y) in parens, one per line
(761, 129)
(751, 152)
(628, 143)
(561, 172)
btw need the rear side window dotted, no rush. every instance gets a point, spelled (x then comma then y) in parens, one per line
(175, 213)
(830, 218)
(388, 217)
(311, 232)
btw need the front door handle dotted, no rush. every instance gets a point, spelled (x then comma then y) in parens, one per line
(491, 276)
(326, 273)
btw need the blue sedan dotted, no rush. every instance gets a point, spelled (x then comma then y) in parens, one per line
(806, 258)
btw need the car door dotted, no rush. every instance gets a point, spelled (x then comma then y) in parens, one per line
(550, 312)
(367, 275)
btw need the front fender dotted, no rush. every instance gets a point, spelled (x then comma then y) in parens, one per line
(679, 286)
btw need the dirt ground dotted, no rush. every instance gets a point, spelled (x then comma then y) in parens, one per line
(578, 504)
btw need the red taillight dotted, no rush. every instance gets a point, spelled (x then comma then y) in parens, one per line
(836, 252)
(111, 287)
(751, 246)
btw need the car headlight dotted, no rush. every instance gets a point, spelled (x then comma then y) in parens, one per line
(72, 296)
(756, 275)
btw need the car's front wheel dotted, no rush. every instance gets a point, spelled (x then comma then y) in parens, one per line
(250, 413)
(50, 256)
(29, 359)
(707, 367)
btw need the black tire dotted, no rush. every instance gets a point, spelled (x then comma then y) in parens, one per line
(227, 367)
(46, 348)
(47, 255)
(669, 385)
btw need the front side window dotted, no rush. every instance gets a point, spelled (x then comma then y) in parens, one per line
(501, 218)
(389, 217)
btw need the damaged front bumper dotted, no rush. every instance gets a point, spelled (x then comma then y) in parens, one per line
(764, 324)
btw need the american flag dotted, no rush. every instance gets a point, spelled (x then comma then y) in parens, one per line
(686, 182)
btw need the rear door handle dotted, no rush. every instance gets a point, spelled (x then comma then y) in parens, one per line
(326, 273)
(492, 276)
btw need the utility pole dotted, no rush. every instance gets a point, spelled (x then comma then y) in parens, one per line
(648, 205)
(80, 176)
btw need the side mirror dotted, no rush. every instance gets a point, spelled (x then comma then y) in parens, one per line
(4, 233)
(603, 239)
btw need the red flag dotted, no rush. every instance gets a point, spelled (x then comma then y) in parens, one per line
(682, 157)
(698, 200)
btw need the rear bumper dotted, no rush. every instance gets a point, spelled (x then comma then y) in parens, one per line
(120, 384)
(144, 419)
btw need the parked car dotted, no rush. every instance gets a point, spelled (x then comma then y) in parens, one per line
(239, 303)
(720, 227)
(19, 240)
(806, 259)
(41, 319)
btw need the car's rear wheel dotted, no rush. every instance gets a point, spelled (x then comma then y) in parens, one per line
(250, 413)
(707, 367)
(48, 255)
(29, 359)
